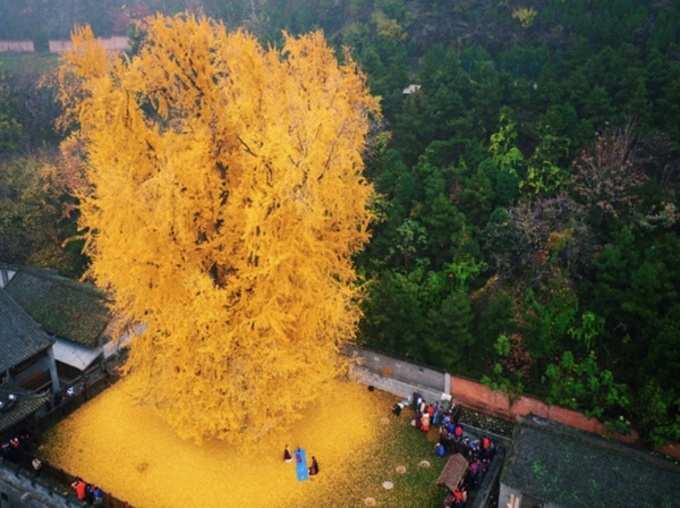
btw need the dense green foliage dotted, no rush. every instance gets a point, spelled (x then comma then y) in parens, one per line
(35, 211)
(34, 223)
(528, 225)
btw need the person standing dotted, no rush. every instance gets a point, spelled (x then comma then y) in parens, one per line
(36, 463)
(459, 497)
(417, 399)
(314, 467)
(287, 457)
(425, 423)
(487, 449)
(457, 413)
(98, 495)
(80, 488)
(89, 491)
(437, 416)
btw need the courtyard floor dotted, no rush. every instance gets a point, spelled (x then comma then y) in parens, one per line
(127, 450)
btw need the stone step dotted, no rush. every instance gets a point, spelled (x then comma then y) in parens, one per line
(393, 386)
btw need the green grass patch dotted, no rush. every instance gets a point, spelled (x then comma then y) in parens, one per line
(30, 64)
(399, 444)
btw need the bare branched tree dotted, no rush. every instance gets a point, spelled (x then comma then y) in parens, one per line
(605, 177)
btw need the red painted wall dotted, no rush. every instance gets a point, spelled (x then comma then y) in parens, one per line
(479, 396)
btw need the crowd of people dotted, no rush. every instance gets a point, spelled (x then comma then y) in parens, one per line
(453, 439)
(479, 454)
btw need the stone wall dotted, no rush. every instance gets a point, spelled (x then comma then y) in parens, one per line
(19, 489)
(113, 44)
(418, 376)
(16, 47)
(391, 385)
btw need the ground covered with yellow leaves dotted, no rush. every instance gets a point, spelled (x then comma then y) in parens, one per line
(129, 451)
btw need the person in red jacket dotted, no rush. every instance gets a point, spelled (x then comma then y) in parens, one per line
(425, 422)
(80, 488)
(459, 497)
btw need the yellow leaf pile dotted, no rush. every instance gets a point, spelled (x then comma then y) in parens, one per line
(224, 202)
(128, 450)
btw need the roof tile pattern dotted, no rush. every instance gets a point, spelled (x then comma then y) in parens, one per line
(20, 336)
(554, 464)
(64, 308)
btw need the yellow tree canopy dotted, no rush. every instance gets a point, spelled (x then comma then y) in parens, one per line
(225, 200)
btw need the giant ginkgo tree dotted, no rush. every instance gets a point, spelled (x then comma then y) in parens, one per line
(223, 205)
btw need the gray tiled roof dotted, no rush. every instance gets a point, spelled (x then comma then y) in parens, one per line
(24, 407)
(20, 336)
(555, 464)
(63, 307)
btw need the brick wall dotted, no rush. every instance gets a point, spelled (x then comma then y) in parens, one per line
(479, 396)
(402, 378)
(671, 449)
